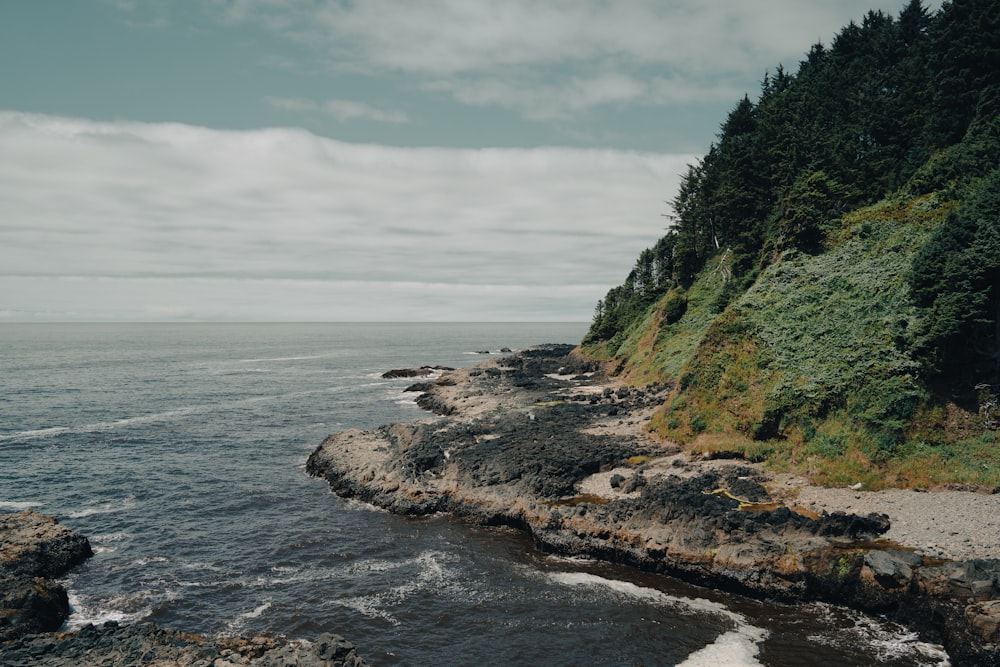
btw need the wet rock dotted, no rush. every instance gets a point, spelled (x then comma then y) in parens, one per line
(888, 571)
(39, 546)
(147, 644)
(34, 549)
(423, 371)
(420, 387)
(405, 373)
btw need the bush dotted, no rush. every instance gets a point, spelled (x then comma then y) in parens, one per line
(674, 307)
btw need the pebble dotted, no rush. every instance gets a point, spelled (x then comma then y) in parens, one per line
(958, 525)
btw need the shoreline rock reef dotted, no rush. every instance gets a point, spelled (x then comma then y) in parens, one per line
(36, 549)
(545, 442)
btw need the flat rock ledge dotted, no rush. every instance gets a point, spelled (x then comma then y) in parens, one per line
(35, 549)
(541, 441)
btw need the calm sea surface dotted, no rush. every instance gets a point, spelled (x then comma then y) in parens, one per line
(179, 449)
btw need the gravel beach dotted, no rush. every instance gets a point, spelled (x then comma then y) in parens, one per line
(957, 525)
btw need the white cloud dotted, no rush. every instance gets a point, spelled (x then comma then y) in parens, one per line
(345, 110)
(292, 103)
(342, 110)
(550, 60)
(129, 220)
(561, 100)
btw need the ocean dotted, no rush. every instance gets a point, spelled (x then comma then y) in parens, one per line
(179, 450)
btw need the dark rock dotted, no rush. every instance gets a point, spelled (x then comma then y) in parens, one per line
(406, 373)
(39, 546)
(147, 644)
(634, 483)
(420, 387)
(888, 571)
(33, 549)
(720, 528)
(852, 526)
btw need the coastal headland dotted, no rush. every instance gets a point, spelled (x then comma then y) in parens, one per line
(546, 442)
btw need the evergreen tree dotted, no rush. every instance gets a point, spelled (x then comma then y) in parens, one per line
(911, 102)
(956, 281)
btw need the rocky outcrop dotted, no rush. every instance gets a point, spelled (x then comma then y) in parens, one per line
(34, 549)
(529, 438)
(423, 371)
(147, 644)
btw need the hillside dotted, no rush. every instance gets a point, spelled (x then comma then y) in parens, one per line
(827, 297)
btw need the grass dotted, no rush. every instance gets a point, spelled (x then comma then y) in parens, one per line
(810, 369)
(652, 350)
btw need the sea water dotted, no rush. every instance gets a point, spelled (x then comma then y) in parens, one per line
(179, 450)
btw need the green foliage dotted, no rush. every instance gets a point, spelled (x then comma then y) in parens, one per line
(674, 307)
(830, 283)
(955, 280)
(857, 120)
(811, 208)
(652, 276)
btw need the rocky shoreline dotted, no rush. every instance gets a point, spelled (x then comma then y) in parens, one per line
(542, 442)
(36, 549)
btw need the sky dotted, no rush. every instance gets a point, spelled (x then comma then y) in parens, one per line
(365, 160)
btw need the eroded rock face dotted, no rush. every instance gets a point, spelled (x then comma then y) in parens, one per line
(34, 549)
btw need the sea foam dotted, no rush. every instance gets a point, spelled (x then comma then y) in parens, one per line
(735, 648)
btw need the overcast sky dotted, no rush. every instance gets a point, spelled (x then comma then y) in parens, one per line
(393, 160)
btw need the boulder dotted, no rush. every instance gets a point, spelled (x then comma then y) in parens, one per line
(34, 549)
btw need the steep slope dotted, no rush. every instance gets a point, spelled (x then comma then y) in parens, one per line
(829, 296)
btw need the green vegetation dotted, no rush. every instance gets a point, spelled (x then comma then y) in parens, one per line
(828, 297)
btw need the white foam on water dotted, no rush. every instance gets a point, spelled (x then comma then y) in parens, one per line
(36, 433)
(432, 574)
(736, 648)
(571, 560)
(98, 427)
(120, 609)
(886, 640)
(109, 507)
(167, 415)
(141, 562)
(16, 505)
(301, 358)
(236, 625)
(730, 649)
(370, 606)
(362, 506)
